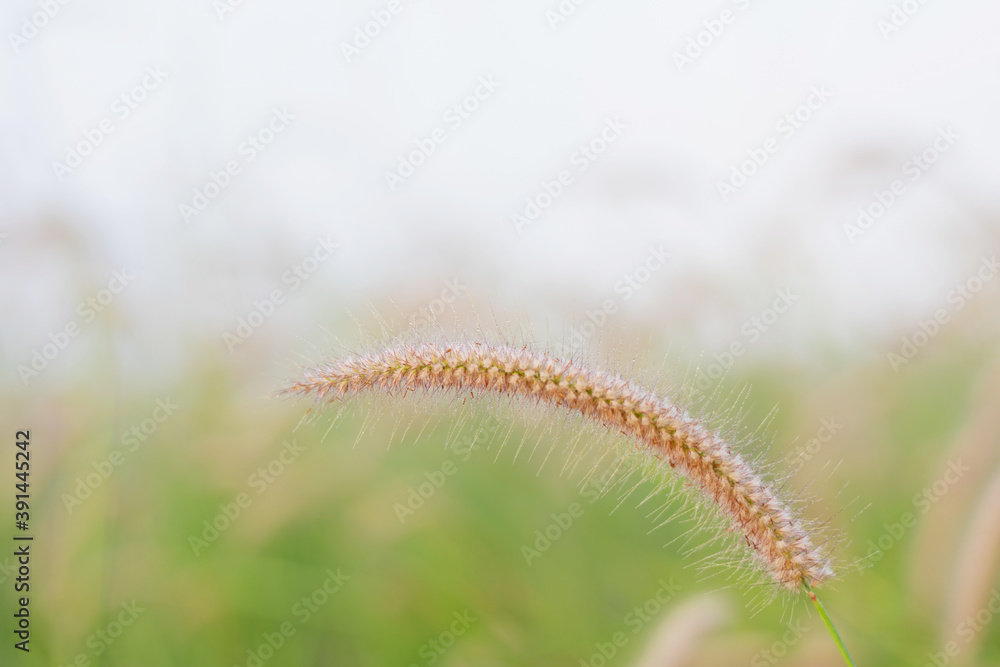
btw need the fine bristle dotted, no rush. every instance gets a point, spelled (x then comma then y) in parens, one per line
(776, 539)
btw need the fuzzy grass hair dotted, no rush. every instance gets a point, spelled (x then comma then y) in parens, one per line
(658, 428)
(776, 539)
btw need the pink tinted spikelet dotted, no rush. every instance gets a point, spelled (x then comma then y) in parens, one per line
(775, 538)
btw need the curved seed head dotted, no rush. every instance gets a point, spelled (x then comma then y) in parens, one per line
(776, 539)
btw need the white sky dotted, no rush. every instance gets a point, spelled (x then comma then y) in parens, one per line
(655, 185)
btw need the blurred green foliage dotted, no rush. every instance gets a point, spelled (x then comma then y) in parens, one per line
(334, 508)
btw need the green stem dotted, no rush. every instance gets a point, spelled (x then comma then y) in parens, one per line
(830, 627)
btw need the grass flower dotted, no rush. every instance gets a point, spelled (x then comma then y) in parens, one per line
(775, 538)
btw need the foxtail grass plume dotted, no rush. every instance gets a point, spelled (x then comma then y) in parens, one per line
(775, 538)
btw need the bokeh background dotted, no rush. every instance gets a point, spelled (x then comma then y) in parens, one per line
(194, 201)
